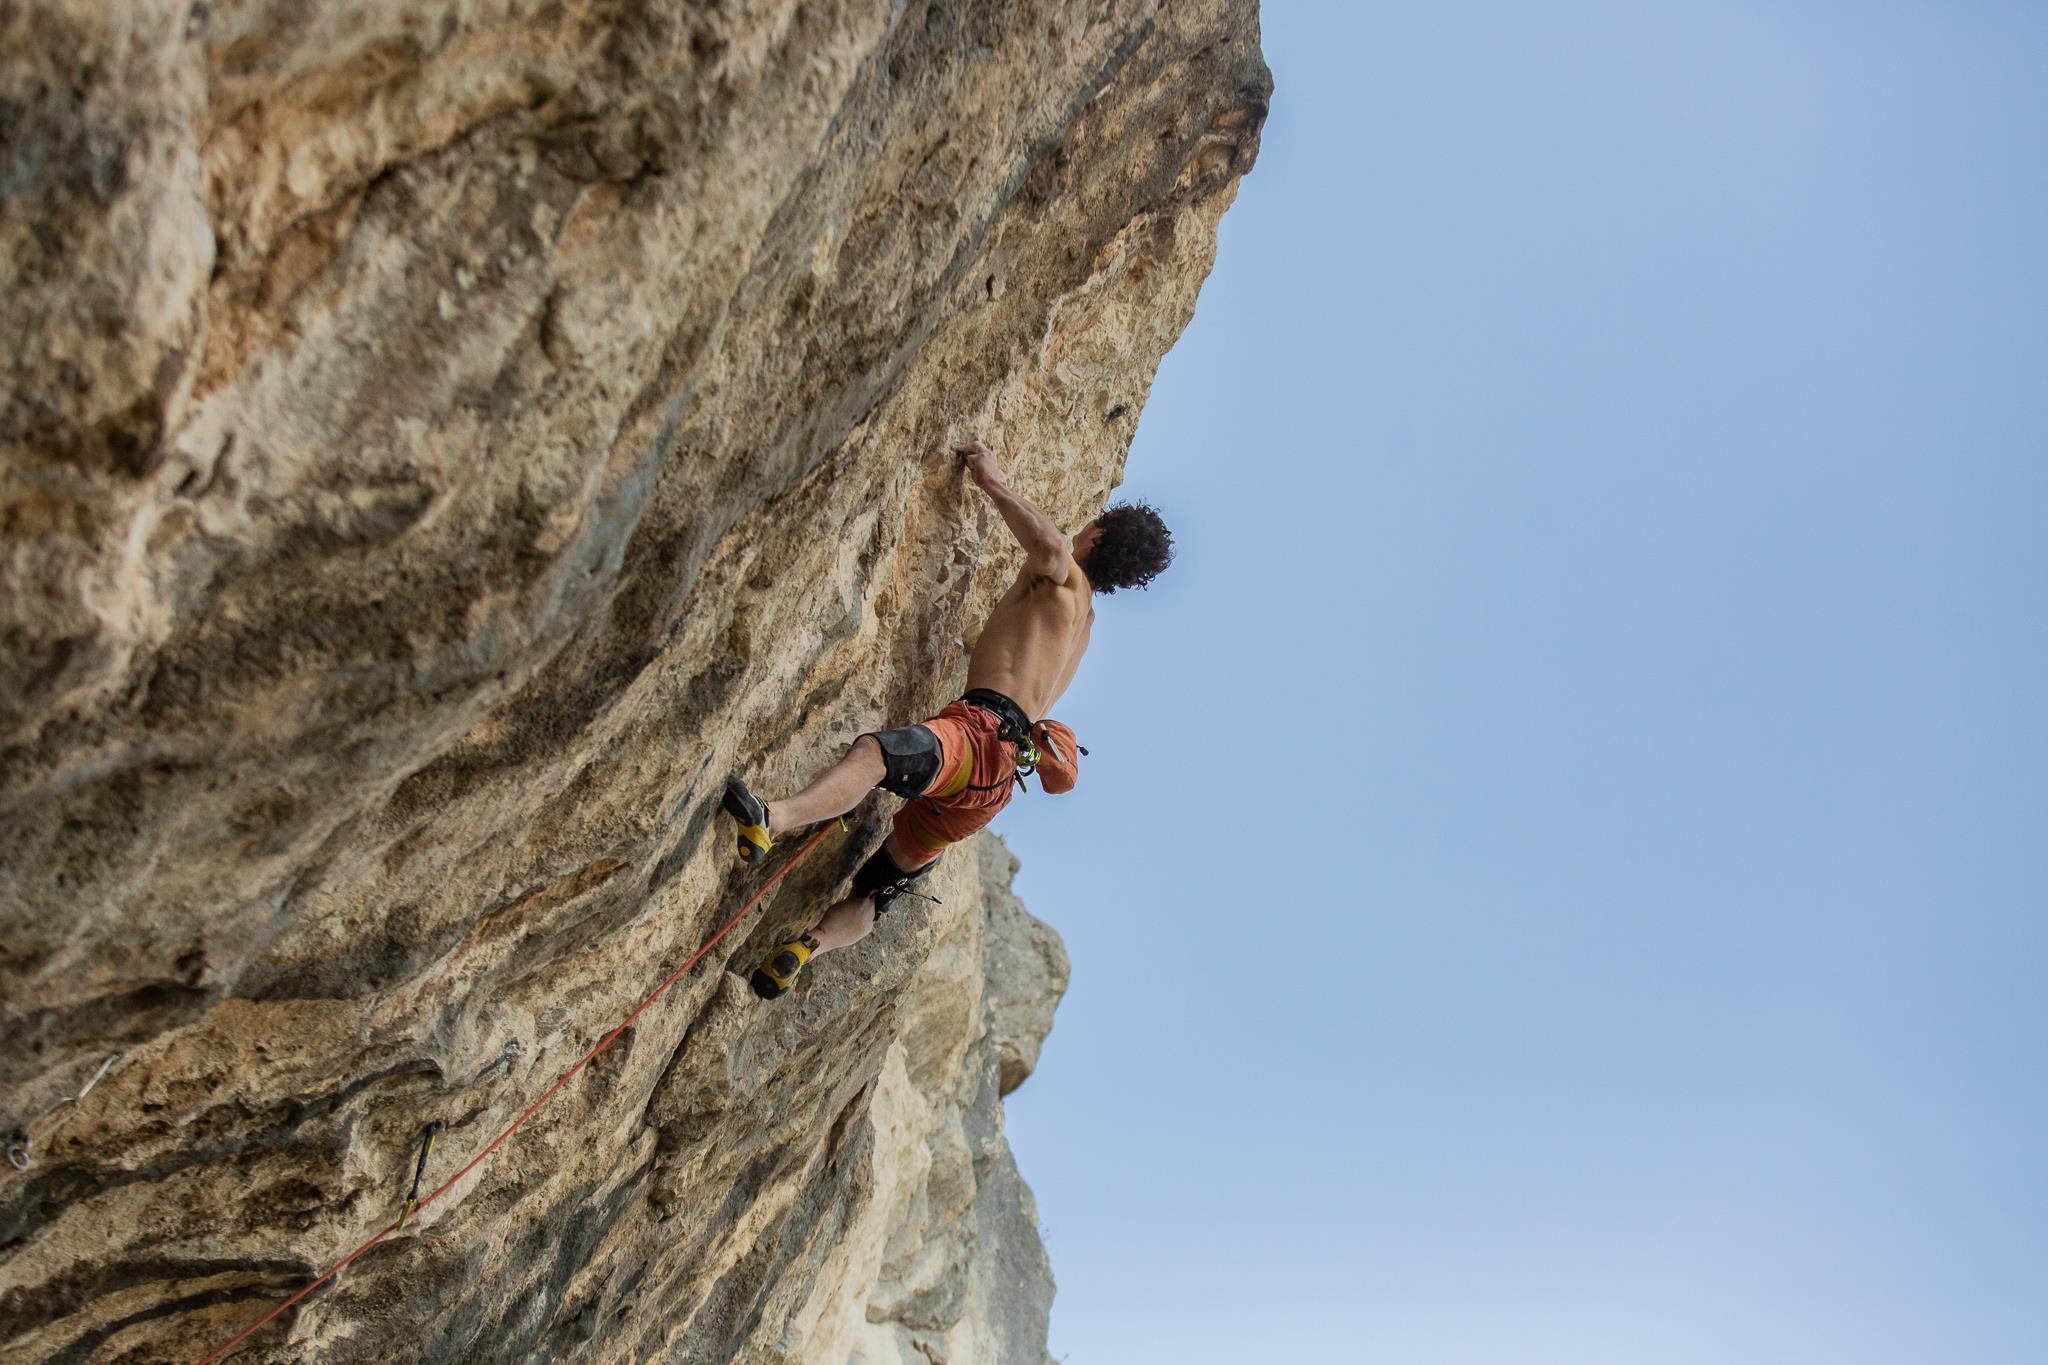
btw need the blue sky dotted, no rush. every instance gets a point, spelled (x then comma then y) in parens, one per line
(1561, 874)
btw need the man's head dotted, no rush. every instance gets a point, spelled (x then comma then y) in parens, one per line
(1125, 547)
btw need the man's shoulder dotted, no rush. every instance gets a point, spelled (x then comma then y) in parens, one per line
(1077, 593)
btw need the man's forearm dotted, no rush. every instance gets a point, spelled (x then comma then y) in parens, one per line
(1034, 530)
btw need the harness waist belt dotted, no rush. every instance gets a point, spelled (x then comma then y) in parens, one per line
(1016, 725)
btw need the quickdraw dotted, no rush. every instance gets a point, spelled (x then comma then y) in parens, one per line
(419, 1172)
(22, 1140)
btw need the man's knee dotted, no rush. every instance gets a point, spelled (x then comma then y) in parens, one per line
(910, 758)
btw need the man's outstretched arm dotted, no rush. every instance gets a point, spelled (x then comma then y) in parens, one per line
(1047, 551)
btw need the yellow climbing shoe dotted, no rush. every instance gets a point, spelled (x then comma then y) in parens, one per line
(774, 976)
(751, 813)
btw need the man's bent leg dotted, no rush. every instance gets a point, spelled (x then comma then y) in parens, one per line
(846, 923)
(853, 919)
(879, 881)
(835, 791)
(905, 857)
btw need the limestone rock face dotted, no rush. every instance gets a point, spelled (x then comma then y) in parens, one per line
(438, 440)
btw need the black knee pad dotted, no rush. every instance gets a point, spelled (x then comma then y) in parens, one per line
(911, 756)
(881, 878)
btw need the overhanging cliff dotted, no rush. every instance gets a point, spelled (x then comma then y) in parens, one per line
(440, 440)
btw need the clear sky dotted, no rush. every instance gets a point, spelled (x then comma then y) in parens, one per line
(1563, 871)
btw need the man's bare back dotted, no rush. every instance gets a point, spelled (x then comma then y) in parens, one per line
(1034, 640)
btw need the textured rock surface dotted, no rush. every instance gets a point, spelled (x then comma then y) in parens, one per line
(438, 440)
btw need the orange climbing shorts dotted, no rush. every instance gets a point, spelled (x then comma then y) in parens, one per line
(977, 773)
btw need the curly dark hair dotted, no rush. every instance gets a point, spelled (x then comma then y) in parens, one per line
(1135, 547)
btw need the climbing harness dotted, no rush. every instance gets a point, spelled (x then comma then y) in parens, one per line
(22, 1140)
(1016, 726)
(1017, 729)
(414, 1205)
(419, 1172)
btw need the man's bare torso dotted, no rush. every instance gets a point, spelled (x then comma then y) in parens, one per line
(1034, 640)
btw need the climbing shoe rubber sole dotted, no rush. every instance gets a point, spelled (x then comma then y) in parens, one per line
(774, 976)
(751, 814)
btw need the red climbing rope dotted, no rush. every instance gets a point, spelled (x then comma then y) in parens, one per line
(528, 1112)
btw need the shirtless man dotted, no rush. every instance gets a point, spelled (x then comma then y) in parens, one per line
(959, 768)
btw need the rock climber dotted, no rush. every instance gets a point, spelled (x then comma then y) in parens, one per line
(960, 767)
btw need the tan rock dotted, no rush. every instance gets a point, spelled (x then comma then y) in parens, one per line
(437, 441)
